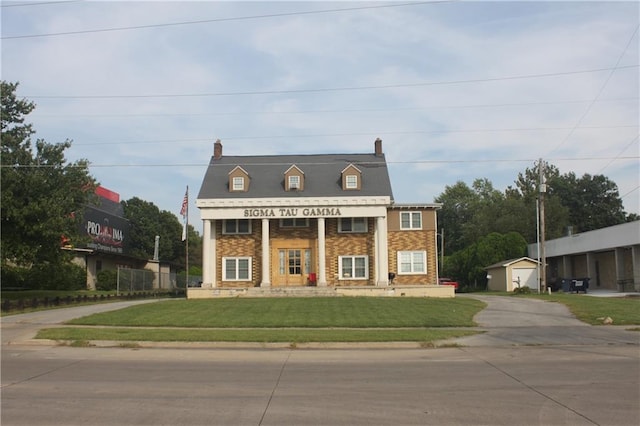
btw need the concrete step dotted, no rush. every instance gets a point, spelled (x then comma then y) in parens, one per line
(291, 292)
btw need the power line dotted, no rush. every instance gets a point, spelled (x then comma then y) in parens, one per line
(317, 163)
(330, 111)
(238, 18)
(44, 3)
(621, 151)
(333, 89)
(399, 132)
(629, 192)
(586, 112)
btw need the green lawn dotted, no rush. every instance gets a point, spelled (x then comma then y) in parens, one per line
(290, 335)
(300, 320)
(294, 320)
(623, 310)
(312, 312)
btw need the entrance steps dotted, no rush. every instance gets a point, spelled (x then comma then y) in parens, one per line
(291, 292)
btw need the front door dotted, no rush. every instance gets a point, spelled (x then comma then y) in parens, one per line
(294, 265)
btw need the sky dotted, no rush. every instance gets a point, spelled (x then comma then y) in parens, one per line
(457, 91)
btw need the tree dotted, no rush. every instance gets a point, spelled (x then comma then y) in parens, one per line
(42, 193)
(593, 201)
(468, 265)
(146, 221)
(458, 203)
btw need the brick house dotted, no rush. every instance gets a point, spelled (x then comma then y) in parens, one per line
(325, 220)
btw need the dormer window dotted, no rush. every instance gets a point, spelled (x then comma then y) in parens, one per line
(238, 184)
(351, 178)
(294, 179)
(294, 182)
(238, 180)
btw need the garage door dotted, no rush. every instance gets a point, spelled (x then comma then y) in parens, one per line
(527, 278)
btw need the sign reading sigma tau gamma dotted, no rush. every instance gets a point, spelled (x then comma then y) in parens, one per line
(293, 212)
(287, 212)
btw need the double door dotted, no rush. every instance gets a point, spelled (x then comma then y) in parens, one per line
(293, 264)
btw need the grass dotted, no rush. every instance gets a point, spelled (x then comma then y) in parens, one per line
(623, 310)
(295, 335)
(352, 312)
(292, 320)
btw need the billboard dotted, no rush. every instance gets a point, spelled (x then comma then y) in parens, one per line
(107, 232)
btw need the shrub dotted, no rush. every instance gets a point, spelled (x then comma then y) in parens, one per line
(522, 290)
(62, 276)
(13, 278)
(107, 280)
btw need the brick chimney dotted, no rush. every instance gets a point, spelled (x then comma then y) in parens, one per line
(378, 147)
(217, 150)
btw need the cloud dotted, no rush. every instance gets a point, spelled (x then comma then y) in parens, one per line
(492, 123)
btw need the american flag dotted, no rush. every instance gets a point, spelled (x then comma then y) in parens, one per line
(183, 212)
(185, 204)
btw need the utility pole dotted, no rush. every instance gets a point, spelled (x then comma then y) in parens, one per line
(543, 260)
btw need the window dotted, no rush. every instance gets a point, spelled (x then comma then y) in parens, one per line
(236, 268)
(352, 224)
(353, 267)
(351, 181)
(410, 220)
(236, 226)
(296, 222)
(294, 182)
(238, 184)
(412, 262)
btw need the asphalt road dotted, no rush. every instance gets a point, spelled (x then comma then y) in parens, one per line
(515, 376)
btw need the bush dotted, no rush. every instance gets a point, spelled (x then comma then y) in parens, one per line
(63, 276)
(13, 278)
(107, 280)
(522, 290)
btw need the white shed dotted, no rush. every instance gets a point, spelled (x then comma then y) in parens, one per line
(511, 274)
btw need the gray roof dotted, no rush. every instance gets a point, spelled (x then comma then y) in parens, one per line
(510, 262)
(322, 176)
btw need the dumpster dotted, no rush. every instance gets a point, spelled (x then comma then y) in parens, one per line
(566, 285)
(579, 284)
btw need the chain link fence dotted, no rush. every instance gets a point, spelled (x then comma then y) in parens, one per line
(131, 280)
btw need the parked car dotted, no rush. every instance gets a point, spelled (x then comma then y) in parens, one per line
(448, 281)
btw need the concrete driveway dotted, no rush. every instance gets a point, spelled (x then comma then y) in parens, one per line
(521, 321)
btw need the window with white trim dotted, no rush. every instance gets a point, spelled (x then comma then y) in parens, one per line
(238, 183)
(294, 182)
(351, 181)
(352, 224)
(236, 226)
(410, 220)
(412, 262)
(353, 267)
(236, 268)
(295, 222)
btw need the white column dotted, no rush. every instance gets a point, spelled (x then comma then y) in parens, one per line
(382, 252)
(209, 254)
(322, 273)
(266, 265)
